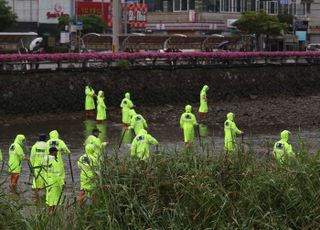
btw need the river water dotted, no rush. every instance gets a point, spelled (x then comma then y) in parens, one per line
(74, 132)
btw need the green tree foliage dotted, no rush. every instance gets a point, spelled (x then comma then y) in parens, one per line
(7, 17)
(286, 18)
(91, 23)
(260, 23)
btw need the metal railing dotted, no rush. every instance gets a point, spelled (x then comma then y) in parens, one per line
(25, 62)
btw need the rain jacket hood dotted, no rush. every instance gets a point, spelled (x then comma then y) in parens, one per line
(205, 88)
(54, 134)
(230, 116)
(285, 135)
(100, 93)
(20, 139)
(127, 95)
(143, 132)
(132, 112)
(188, 108)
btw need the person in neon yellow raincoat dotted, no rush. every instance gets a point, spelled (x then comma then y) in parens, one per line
(230, 133)
(16, 156)
(54, 141)
(126, 105)
(140, 145)
(94, 140)
(101, 108)
(282, 150)
(203, 109)
(187, 123)
(137, 122)
(38, 151)
(54, 179)
(89, 103)
(88, 165)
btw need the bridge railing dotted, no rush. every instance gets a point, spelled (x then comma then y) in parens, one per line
(18, 62)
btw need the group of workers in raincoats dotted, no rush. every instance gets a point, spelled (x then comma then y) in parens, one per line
(46, 162)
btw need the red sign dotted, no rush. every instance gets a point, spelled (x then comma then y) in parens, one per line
(86, 8)
(136, 12)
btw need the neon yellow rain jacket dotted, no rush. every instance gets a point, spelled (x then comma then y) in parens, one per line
(137, 122)
(126, 105)
(203, 100)
(62, 149)
(89, 105)
(38, 151)
(140, 145)
(16, 154)
(101, 107)
(88, 166)
(98, 146)
(54, 177)
(282, 149)
(187, 123)
(230, 132)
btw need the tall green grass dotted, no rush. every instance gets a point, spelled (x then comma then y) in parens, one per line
(188, 190)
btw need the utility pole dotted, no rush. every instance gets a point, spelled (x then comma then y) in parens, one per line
(116, 17)
(102, 9)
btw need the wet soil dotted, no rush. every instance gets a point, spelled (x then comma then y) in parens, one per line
(257, 112)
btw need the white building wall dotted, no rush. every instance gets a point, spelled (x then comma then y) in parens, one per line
(26, 10)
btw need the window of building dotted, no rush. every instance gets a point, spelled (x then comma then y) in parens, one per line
(271, 7)
(237, 6)
(154, 5)
(211, 5)
(183, 5)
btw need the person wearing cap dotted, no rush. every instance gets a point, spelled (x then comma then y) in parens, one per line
(126, 105)
(56, 142)
(94, 140)
(137, 122)
(140, 145)
(89, 102)
(16, 156)
(230, 133)
(203, 109)
(101, 108)
(54, 179)
(38, 151)
(89, 170)
(282, 150)
(187, 122)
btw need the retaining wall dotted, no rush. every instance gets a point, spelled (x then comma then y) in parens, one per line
(47, 91)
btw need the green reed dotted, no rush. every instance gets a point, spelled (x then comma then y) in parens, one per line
(191, 190)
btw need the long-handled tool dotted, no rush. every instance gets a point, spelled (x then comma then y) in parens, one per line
(72, 179)
(121, 139)
(199, 137)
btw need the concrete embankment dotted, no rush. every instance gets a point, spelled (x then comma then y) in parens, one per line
(46, 91)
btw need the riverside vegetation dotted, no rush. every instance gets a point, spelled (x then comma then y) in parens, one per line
(188, 190)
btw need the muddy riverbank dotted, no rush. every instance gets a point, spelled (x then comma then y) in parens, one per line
(258, 112)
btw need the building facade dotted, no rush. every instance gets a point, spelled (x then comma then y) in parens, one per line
(177, 16)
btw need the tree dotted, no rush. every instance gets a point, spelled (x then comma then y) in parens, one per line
(91, 23)
(7, 17)
(260, 24)
(286, 18)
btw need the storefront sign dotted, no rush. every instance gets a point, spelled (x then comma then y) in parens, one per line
(314, 29)
(57, 13)
(300, 25)
(51, 10)
(136, 13)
